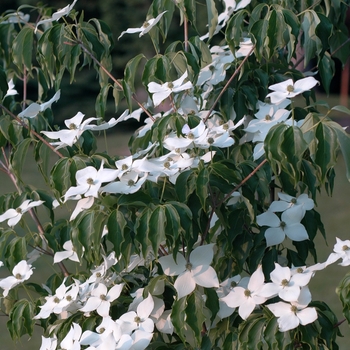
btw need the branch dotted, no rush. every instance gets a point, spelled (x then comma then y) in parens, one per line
(33, 132)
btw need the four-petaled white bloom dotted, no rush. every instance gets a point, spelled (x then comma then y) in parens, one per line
(289, 226)
(246, 299)
(295, 313)
(341, 250)
(68, 253)
(13, 216)
(289, 89)
(162, 91)
(145, 28)
(21, 272)
(286, 202)
(100, 300)
(196, 270)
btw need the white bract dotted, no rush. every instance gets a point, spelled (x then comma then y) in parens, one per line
(246, 299)
(196, 270)
(145, 28)
(162, 91)
(13, 216)
(11, 89)
(295, 313)
(21, 272)
(35, 108)
(341, 250)
(289, 225)
(68, 253)
(286, 202)
(289, 89)
(57, 15)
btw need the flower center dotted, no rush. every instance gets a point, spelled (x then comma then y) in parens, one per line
(56, 300)
(19, 210)
(210, 140)
(137, 320)
(300, 270)
(189, 266)
(233, 284)
(290, 88)
(211, 68)
(268, 117)
(293, 200)
(125, 167)
(225, 126)
(18, 276)
(247, 293)
(284, 283)
(190, 135)
(145, 25)
(69, 298)
(345, 247)
(131, 183)
(98, 274)
(283, 225)
(170, 85)
(166, 165)
(102, 330)
(90, 181)
(103, 297)
(72, 126)
(177, 150)
(294, 309)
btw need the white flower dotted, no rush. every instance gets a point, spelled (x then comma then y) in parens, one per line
(246, 299)
(57, 15)
(89, 181)
(129, 183)
(11, 89)
(100, 300)
(341, 250)
(288, 89)
(285, 284)
(295, 313)
(140, 319)
(289, 226)
(72, 340)
(21, 272)
(48, 343)
(35, 108)
(13, 216)
(68, 253)
(162, 91)
(302, 203)
(145, 28)
(196, 270)
(16, 17)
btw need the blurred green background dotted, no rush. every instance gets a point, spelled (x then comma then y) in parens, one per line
(120, 15)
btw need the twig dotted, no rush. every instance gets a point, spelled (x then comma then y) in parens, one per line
(20, 121)
(228, 83)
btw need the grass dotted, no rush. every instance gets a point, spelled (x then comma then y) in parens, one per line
(335, 213)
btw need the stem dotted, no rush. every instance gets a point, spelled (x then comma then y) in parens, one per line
(33, 132)
(218, 204)
(112, 78)
(228, 83)
(24, 88)
(186, 33)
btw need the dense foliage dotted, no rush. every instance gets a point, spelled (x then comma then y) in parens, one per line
(202, 238)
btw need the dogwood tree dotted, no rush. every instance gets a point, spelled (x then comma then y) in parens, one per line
(203, 237)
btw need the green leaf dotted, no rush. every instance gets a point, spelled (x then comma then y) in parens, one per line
(116, 227)
(90, 226)
(18, 157)
(212, 17)
(157, 224)
(131, 70)
(94, 40)
(178, 317)
(142, 230)
(202, 186)
(22, 48)
(21, 319)
(16, 250)
(327, 70)
(194, 312)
